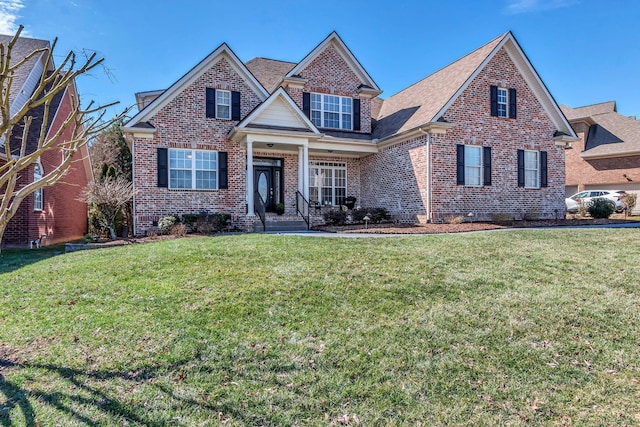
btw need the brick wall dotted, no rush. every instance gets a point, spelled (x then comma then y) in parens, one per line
(329, 73)
(606, 173)
(474, 125)
(182, 124)
(63, 217)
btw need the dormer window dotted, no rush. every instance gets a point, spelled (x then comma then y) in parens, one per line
(332, 111)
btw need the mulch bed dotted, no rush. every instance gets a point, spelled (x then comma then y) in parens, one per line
(390, 228)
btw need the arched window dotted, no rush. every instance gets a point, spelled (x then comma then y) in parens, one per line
(37, 195)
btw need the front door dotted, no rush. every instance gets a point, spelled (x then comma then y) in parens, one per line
(267, 178)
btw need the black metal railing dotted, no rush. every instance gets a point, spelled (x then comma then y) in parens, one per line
(259, 208)
(302, 206)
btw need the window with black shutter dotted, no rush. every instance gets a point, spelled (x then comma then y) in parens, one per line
(235, 105)
(163, 167)
(223, 174)
(460, 164)
(486, 159)
(210, 102)
(503, 102)
(520, 168)
(543, 169)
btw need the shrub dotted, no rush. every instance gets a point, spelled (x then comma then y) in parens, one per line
(629, 200)
(601, 208)
(166, 223)
(212, 223)
(531, 215)
(190, 221)
(179, 230)
(335, 217)
(379, 215)
(501, 218)
(358, 215)
(375, 215)
(454, 219)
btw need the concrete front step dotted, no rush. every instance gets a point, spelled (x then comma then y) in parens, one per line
(283, 225)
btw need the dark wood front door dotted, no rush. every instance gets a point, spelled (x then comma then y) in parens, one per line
(268, 183)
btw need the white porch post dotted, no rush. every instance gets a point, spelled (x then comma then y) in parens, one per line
(250, 207)
(300, 170)
(305, 171)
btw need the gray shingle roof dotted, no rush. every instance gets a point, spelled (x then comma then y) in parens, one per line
(34, 130)
(588, 110)
(269, 72)
(418, 104)
(23, 47)
(613, 134)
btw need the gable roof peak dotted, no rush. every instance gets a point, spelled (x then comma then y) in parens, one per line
(223, 50)
(344, 51)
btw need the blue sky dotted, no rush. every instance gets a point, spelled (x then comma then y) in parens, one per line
(586, 51)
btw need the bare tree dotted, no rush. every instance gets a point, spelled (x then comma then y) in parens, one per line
(110, 195)
(80, 123)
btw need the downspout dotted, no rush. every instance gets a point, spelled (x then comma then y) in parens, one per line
(428, 208)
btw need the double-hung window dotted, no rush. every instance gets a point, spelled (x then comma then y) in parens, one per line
(503, 102)
(472, 165)
(531, 169)
(193, 169)
(37, 195)
(223, 104)
(327, 182)
(332, 111)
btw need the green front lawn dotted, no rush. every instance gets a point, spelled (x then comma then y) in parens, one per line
(509, 328)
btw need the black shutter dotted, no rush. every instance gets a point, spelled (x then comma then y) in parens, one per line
(486, 160)
(494, 101)
(211, 103)
(512, 103)
(543, 169)
(223, 175)
(235, 105)
(356, 114)
(306, 104)
(520, 168)
(163, 167)
(460, 164)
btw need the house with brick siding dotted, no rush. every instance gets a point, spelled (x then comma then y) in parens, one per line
(607, 153)
(482, 135)
(51, 214)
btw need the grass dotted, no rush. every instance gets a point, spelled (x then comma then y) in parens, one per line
(510, 328)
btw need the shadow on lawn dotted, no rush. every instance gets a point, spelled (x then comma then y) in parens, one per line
(87, 404)
(13, 259)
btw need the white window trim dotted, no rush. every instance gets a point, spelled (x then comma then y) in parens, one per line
(333, 166)
(193, 170)
(506, 103)
(537, 169)
(322, 110)
(38, 206)
(221, 91)
(479, 167)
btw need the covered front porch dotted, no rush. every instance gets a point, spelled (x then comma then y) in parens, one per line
(291, 167)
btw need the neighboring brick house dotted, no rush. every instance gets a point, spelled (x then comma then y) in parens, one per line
(607, 154)
(52, 211)
(482, 135)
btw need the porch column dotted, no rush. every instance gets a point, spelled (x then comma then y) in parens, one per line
(305, 171)
(250, 207)
(300, 170)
